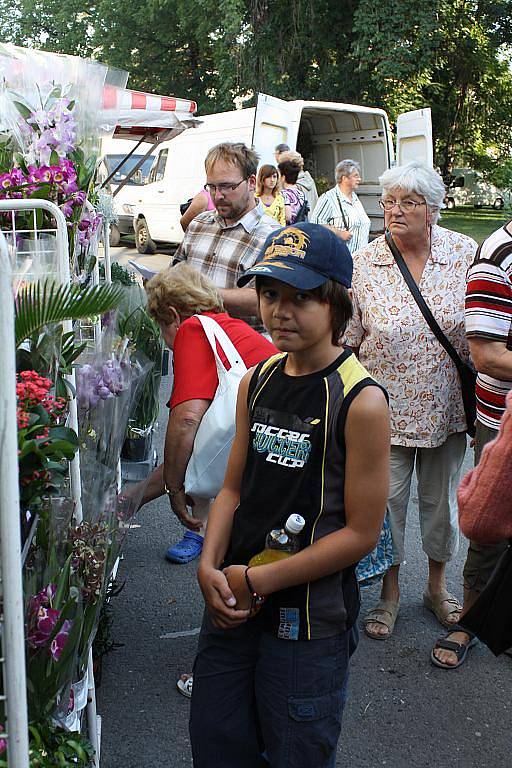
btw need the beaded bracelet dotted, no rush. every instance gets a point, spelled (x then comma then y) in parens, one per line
(256, 598)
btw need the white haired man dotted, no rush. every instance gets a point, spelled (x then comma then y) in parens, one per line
(340, 209)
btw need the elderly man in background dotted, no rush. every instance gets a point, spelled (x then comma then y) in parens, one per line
(305, 181)
(224, 243)
(340, 209)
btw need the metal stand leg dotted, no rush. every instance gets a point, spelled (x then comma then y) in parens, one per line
(92, 716)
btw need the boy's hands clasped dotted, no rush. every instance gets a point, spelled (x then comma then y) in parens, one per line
(227, 601)
(227, 596)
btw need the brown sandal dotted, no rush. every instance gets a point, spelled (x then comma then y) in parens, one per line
(385, 613)
(442, 606)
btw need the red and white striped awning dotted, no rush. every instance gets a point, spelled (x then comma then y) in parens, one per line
(138, 113)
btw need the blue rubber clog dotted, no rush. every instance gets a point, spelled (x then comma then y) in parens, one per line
(185, 550)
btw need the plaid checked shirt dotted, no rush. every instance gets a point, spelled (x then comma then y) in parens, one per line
(223, 253)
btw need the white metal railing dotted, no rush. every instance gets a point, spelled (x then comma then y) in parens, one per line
(13, 643)
(12, 618)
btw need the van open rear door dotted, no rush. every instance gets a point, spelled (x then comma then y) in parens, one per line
(414, 137)
(275, 122)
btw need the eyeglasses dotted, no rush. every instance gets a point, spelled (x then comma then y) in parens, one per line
(222, 188)
(406, 206)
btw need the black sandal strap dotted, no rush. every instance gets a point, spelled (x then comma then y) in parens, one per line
(460, 628)
(449, 645)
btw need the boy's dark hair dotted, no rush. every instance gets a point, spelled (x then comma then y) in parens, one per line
(290, 170)
(337, 296)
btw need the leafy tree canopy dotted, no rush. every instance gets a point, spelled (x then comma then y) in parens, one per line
(452, 55)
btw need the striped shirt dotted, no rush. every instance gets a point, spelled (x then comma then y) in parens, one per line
(335, 209)
(224, 252)
(489, 315)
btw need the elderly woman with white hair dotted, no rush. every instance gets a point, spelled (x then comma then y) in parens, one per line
(398, 348)
(341, 210)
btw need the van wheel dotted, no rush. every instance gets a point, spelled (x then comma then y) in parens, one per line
(498, 204)
(450, 203)
(143, 238)
(114, 236)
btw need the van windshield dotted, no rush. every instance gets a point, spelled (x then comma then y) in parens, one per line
(141, 176)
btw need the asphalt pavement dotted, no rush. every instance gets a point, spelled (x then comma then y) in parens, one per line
(402, 711)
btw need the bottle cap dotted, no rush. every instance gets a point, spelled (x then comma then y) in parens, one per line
(295, 524)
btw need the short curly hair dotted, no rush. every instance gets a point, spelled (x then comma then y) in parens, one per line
(415, 176)
(234, 153)
(183, 288)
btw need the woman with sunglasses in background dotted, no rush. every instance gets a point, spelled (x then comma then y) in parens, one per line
(398, 348)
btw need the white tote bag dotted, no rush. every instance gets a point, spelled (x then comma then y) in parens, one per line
(207, 465)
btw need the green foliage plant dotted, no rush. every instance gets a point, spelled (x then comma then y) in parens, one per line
(51, 746)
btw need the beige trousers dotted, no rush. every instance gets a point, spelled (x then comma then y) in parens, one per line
(438, 473)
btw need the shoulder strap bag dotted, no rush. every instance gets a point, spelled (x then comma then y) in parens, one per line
(343, 214)
(467, 373)
(207, 465)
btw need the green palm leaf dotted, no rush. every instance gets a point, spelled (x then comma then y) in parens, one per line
(39, 304)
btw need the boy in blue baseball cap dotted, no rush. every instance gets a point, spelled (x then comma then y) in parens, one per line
(312, 438)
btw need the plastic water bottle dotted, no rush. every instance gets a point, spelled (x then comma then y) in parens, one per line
(280, 542)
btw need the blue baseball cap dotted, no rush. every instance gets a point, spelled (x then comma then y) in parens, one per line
(303, 255)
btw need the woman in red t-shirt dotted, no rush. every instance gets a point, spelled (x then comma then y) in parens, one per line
(174, 296)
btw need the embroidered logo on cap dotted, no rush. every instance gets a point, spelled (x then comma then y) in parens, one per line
(289, 242)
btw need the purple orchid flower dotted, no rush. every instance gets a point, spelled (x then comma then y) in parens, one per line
(59, 641)
(43, 625)
(6, 181)
(67, 208)
(44, 598)
(39, 118)
(18, 177)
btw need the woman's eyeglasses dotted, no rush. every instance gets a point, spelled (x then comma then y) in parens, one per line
(406, 206)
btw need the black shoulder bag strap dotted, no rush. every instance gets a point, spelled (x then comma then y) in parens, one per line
(466, 373)
(343, 215)
(422, 304)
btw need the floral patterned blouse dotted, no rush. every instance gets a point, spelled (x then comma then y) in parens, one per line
(398, 348)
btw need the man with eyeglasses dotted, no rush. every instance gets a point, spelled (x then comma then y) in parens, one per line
(223, 244)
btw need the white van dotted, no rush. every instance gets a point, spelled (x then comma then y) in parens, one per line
(323, 132)
(468, 187)
(113, 153)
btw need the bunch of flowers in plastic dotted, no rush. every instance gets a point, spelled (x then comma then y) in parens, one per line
(49, 130)
(89, 546)
(101, 382)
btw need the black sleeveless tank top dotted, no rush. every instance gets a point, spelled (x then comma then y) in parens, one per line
(296, 464)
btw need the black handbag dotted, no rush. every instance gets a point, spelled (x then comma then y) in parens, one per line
(490, 616)
(185, 206)
(467, 373)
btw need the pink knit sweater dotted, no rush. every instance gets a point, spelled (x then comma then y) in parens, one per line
(485, 493)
